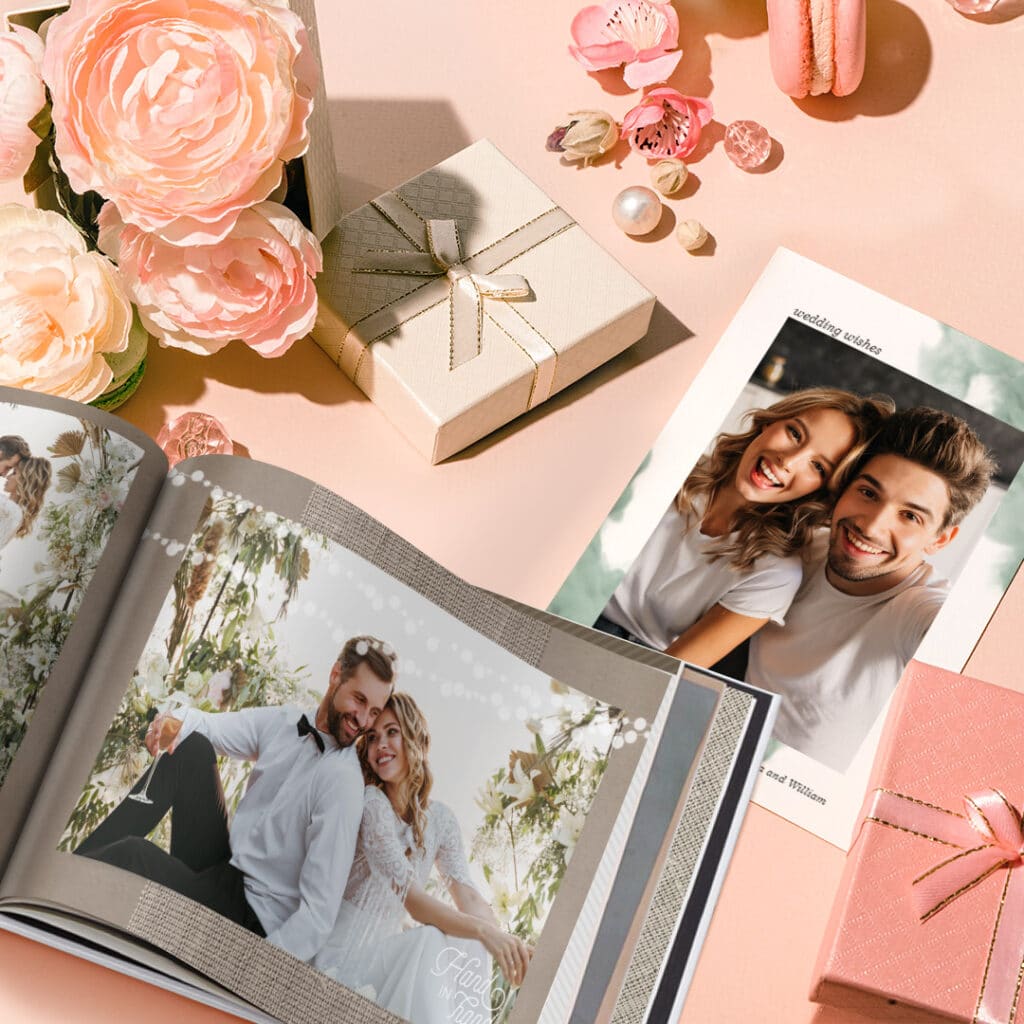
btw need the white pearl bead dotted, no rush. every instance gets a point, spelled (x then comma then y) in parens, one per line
(636, 210)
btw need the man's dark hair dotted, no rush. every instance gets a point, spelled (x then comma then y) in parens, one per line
(374, 652)
(12, 444)
(944, 444)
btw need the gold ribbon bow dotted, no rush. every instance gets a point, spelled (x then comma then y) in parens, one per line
(466, 290)
(463, 281)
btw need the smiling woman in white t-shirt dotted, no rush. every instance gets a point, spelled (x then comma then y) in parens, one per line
(726, 557)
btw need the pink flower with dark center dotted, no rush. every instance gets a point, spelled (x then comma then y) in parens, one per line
(637, 33)
(665, 123)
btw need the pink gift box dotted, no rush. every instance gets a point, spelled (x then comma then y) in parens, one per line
(947, 737)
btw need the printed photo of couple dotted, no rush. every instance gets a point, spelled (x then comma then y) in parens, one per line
(815, 541)
(63, 483)
(322, 756)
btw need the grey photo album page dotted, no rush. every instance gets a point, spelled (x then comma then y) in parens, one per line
(76, 488)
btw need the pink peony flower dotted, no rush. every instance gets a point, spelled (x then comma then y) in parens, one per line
(181, 112)
(665, 123)
(256, 284)
(61, 307)
(636, 33)
(22, 96)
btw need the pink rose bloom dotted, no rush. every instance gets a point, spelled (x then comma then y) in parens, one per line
(636, 33)
(181, 112)
(665, 123)
(256, 284)
(61, 307)
(22, 96)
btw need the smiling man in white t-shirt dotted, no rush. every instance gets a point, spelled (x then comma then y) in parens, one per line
(869, 594)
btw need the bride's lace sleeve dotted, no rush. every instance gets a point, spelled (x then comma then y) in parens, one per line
(10, 518)
(385, 851)
(451, 856)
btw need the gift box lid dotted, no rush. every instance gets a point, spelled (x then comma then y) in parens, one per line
(391, 330)
(947, 737)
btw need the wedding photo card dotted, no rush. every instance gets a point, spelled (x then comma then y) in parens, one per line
(873, 455)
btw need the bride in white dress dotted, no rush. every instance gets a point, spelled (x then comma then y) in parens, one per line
(442, 967)
(21, 497)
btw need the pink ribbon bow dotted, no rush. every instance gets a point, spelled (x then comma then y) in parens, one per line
(989, 836)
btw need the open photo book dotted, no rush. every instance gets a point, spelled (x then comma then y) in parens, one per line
(257, 749)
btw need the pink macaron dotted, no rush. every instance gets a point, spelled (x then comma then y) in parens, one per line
(816, 46)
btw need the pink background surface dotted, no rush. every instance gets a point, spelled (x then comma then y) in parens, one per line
(911, 185)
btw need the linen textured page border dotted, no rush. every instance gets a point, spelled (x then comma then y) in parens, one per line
(58, 582)
(693, 857)
(804, 326)
(104, 894)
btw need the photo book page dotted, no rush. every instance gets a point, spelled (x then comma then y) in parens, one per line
(310, 772)
(76, 487)
(838, 492)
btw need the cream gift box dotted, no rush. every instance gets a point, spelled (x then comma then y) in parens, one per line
(466, 297)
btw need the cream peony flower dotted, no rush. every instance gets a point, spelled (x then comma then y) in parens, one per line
(22, 96)
(61, 307)
(181, 112)
(256, 284)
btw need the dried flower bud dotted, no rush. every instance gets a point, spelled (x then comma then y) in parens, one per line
(691, 234)
(669, 176)
(589, 135)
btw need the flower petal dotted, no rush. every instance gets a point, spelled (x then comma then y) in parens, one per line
(599, 56)
(670, 39)
(643, 72)
(642, 115)
(590, 26)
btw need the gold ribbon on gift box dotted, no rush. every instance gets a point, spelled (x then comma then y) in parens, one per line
(465, 282)
(988, 837)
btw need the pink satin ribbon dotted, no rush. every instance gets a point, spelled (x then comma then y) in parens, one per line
(985, 839)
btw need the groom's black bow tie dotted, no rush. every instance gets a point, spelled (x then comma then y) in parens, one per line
(305, 729)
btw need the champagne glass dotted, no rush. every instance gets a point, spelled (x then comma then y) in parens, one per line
(142, 796)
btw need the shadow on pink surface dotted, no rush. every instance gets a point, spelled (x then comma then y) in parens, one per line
(899, 58)
(664, 333)
(404, 136)
(893, 1014)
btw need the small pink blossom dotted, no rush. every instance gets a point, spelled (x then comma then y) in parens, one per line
(22, 96)
(637, 33)
(665, 123)
(180, 112)
(256, 284)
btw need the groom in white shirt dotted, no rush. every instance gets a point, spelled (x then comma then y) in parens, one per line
(281, 870)
(869, 593)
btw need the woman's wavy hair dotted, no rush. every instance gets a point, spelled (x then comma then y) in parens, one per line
(785, 528)
(31, 482)
(414, 789)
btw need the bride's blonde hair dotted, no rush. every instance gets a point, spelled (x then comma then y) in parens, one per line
(785, 528)
(414, 789)
(31, 482)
